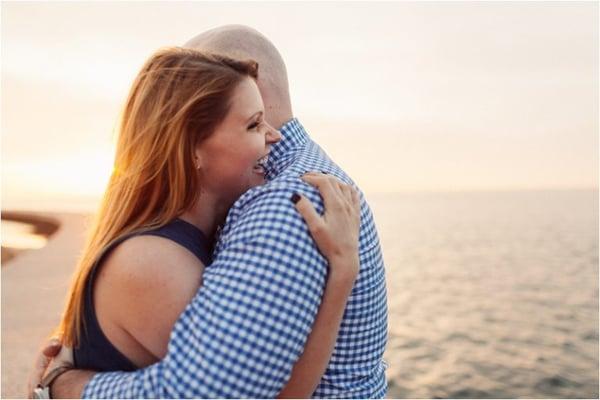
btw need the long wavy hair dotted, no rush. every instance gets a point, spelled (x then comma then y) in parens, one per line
(176, 101)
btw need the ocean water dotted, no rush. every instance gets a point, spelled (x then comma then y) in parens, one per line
(491, 295)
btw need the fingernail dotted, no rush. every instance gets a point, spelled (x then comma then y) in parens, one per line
(295, 198)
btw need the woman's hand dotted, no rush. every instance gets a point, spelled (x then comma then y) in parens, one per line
(336, 232)
(52, 356)
(42, 360)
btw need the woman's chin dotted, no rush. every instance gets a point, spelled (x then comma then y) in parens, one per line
(257, 180)
(252, 182)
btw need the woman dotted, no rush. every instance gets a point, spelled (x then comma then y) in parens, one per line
(192, 140)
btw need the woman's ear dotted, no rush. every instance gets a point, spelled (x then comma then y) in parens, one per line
(197, 159)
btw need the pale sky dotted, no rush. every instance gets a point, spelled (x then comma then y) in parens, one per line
(405, 96)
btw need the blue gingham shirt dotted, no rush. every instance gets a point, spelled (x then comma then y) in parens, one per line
(248, 323)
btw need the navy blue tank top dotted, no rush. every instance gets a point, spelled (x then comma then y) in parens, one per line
(95, 351)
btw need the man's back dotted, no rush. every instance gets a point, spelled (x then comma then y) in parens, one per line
(356, 368)
(356, 365)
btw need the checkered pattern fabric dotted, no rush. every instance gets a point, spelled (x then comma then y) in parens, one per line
(248, 323)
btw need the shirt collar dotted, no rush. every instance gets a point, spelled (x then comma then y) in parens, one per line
(293, 137)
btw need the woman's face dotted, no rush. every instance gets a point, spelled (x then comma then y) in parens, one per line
(230, 159)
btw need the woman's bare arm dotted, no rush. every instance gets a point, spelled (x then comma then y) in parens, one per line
(311, 366)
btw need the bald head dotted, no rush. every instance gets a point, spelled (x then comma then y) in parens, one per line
(241, 42)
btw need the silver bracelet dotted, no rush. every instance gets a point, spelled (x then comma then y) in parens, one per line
(42, 391)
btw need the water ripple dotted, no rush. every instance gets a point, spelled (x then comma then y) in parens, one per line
(491, 295)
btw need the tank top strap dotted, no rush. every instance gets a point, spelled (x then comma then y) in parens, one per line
(187, 235)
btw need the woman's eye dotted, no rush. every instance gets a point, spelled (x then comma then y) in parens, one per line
(254, 125)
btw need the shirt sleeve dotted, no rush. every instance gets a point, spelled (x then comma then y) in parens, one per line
(248, 323)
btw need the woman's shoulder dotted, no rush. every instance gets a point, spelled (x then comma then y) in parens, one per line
(144, 262)
(143, 286)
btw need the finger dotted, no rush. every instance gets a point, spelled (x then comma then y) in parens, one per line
(344, 196)
(350, 194)
(326, 188)
(308, 212)
(337, 184)
(52, 348)
(347, 191)
(320, 177)
(356, 205)
(320, 180)
(312, 173)
(39, 368)
(313, 176)
(355, 199)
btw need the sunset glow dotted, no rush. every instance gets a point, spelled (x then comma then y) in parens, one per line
(405, 96)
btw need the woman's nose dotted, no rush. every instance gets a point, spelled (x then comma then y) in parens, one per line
(273, 135)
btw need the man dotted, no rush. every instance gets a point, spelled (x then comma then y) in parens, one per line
(248, 324)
